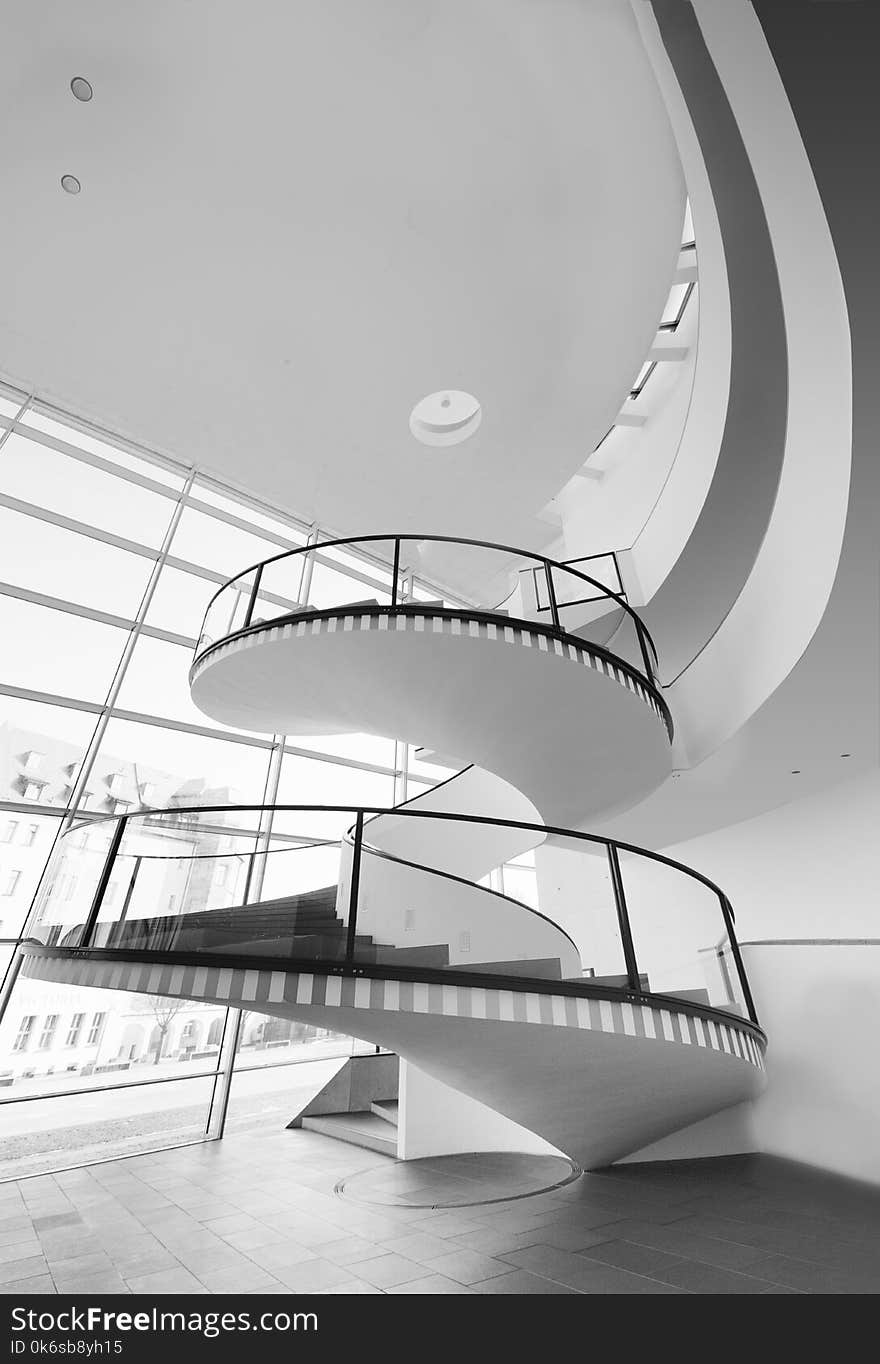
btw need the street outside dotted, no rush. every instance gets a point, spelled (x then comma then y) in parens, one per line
(51, 1134)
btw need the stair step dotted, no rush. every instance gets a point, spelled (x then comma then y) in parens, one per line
(358, 1129)
(435, 955)
(616, 982)
(386, 1109)
(693, 996)
(544, 968)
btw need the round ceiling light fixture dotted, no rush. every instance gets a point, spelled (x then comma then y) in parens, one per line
(81, 89)
(70, 184)
(445, 418)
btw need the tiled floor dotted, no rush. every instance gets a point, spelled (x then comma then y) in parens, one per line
(257, 1213)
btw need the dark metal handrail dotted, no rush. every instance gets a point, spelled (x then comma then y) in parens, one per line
(646, 643)
(613, 849)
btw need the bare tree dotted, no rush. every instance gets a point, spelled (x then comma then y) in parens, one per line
(164, 1011)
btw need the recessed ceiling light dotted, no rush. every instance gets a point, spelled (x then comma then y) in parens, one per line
(70, 184)
(81, 88)
(445, 418)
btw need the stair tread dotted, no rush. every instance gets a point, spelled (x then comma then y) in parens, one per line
(359, 1129)
(386, 1109)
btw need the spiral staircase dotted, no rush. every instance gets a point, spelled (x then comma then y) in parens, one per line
(543, 682)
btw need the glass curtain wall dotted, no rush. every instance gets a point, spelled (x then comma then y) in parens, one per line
(109, 554)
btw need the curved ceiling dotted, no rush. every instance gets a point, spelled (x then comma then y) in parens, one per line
(298, 220)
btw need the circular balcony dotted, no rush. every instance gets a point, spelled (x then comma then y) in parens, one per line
(538, 671)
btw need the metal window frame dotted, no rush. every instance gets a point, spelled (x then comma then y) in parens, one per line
(183, 497)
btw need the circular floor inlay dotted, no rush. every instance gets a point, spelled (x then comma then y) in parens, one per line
(461, 1181)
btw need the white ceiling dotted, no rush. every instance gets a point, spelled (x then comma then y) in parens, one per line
(296, 220)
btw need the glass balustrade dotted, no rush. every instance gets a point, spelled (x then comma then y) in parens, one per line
(396, 890)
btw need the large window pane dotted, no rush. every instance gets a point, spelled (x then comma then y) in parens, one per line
(37, 474)
(41, 748)
(305, 781)
(180, 601)
(59, 1037)
(270, 1095)
(365, 748)
(25, 843)
(55, 1134)
(47, 650)
(44, 558)
(289, 530)
(195, 770)
(157, 683)
(202, 539)
(73, 436)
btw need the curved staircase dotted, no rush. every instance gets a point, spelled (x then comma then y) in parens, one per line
(588, 1032)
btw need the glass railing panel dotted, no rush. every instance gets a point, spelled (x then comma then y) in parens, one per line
(336, 578)
(461, 576)
(275, 902)
(66, 897)
(371, 560)
(280, 589)
(679, 933)
(576, 891)
(433, 918)
(228, 611)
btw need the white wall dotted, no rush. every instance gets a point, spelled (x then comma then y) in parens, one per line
(819, 1003)
(436, 1120)
(809, 869)
(810, 872)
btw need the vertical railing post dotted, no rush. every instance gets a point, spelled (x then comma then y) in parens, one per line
(629, 951)
(395, 570)
(106, 872)
(727, 915)
(116, 933)
(551, 595)
(305, 582)
(354, 886)
(245, 899)
(249, 613)
(643, 645)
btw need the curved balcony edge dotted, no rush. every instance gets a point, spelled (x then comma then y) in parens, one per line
(569, 599)
(670, 1004)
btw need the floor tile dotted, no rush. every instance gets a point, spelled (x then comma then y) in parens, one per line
(520, 1282)
(388, 1271)
(418, 1246)
(630, 1255)
(587, 1276)
(315, 1275)
(177, 1280)
(432, 1283)
(467, 1266)
(27, 1268)
(702, 1278)
(40, 1283)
